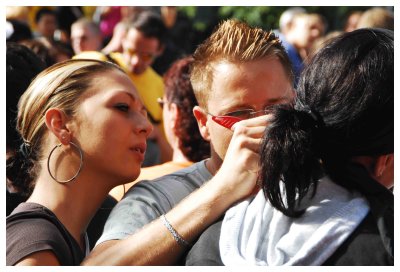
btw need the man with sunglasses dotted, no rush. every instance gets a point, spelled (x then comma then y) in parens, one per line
(143, 42)
(237, 74)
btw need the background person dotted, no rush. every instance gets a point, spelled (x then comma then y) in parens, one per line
(85, 36)
(299, 38)
(351, 21)
(46, 23)
(287, 17)
(143, 42)
(376, 17)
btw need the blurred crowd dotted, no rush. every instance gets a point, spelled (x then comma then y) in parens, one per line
(58, 33)
(66, 31)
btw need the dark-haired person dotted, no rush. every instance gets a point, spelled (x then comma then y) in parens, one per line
(326, 168)
(17, 31)
(143, 42)
(46, 23)
(22, 65)
(180, 126)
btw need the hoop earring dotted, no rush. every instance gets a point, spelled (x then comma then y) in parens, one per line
(80, 166)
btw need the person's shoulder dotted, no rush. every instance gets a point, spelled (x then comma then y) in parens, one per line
(148, 199)
(28, 235)
(363, 247)
(194, 175)
(34, 222)
(172, 186)
(32, 228)
(155, 171)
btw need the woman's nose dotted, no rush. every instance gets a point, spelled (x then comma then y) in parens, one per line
(144, 126)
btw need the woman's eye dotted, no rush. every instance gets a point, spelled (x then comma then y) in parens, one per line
(122, 107)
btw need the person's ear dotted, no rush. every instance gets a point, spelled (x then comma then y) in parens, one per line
(173, 113)
(201, 117)
(381, 164)
(56, 122)
(384, 170)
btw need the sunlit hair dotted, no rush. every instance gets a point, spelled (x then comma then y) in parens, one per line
(85, 22)
(235, 42)
(313, 18)
(377, 17)
(60, 86)
(17, 13)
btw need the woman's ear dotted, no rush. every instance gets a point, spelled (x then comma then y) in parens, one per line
(56, 123)
(201, 117)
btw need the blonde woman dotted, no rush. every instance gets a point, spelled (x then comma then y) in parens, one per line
(84, 130)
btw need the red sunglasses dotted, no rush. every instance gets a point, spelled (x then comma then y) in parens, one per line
(231, 118)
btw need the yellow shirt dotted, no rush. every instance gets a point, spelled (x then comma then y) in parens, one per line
(149, 84)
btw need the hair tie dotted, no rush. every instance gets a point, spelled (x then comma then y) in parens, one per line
(318, 121)
(25, 149)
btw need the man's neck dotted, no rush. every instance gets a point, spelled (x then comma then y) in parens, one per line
(213, 165)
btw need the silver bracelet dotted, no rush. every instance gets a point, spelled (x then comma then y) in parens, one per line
(174, 233)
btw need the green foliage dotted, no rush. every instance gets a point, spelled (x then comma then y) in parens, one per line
(202, 17)
(189, 11)
(266, 17)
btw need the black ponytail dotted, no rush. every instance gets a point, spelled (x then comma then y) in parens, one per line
(344, 109)
(290, 158)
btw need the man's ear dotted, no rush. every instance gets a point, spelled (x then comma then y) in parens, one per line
(56, 123)
(201, 117)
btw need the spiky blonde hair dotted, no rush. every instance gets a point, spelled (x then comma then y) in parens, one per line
(235, 42)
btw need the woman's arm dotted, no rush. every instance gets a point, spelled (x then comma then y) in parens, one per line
(42, 258)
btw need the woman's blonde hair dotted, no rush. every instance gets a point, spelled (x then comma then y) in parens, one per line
(60, 86)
